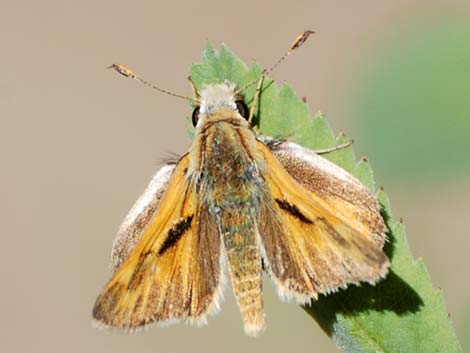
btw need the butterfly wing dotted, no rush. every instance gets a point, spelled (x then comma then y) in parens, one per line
(174, 271)
(315, 235)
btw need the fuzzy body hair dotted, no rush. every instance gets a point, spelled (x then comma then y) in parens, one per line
(214, 97)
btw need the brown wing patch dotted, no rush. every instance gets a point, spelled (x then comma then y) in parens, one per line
(309, 245)
(173, 272)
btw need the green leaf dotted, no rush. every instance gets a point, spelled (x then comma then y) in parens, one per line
(402, 313)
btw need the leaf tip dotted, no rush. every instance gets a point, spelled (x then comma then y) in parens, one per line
(319, 115)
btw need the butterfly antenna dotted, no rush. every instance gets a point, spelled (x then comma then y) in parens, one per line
(297, 43)
(124, 71)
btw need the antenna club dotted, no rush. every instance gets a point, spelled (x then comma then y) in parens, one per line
(300, 40)
(123, 70)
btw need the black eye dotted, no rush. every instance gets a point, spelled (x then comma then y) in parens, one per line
(195, 116)
(242, 109)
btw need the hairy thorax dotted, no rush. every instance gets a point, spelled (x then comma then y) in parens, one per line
(230, 164)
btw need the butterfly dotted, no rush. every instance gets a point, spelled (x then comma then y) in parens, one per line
(239, 204)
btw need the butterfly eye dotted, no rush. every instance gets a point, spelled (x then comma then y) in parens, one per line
(242, 109)
(195, 116)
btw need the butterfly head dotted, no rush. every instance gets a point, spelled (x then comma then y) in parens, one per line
(213, 98)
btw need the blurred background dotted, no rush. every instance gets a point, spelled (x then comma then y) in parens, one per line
(78, 144)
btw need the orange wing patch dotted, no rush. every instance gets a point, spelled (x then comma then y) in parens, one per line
(311, 245)
(173, 272)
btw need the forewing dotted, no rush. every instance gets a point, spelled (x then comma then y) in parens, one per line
(174, 270)
(312, 244)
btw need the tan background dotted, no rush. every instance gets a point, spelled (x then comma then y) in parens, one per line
(78, 144)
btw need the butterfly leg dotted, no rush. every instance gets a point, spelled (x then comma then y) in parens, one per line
(335, 148)
(193, 87)
(254, 106)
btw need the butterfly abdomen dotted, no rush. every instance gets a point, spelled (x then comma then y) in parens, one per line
(244, 263)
